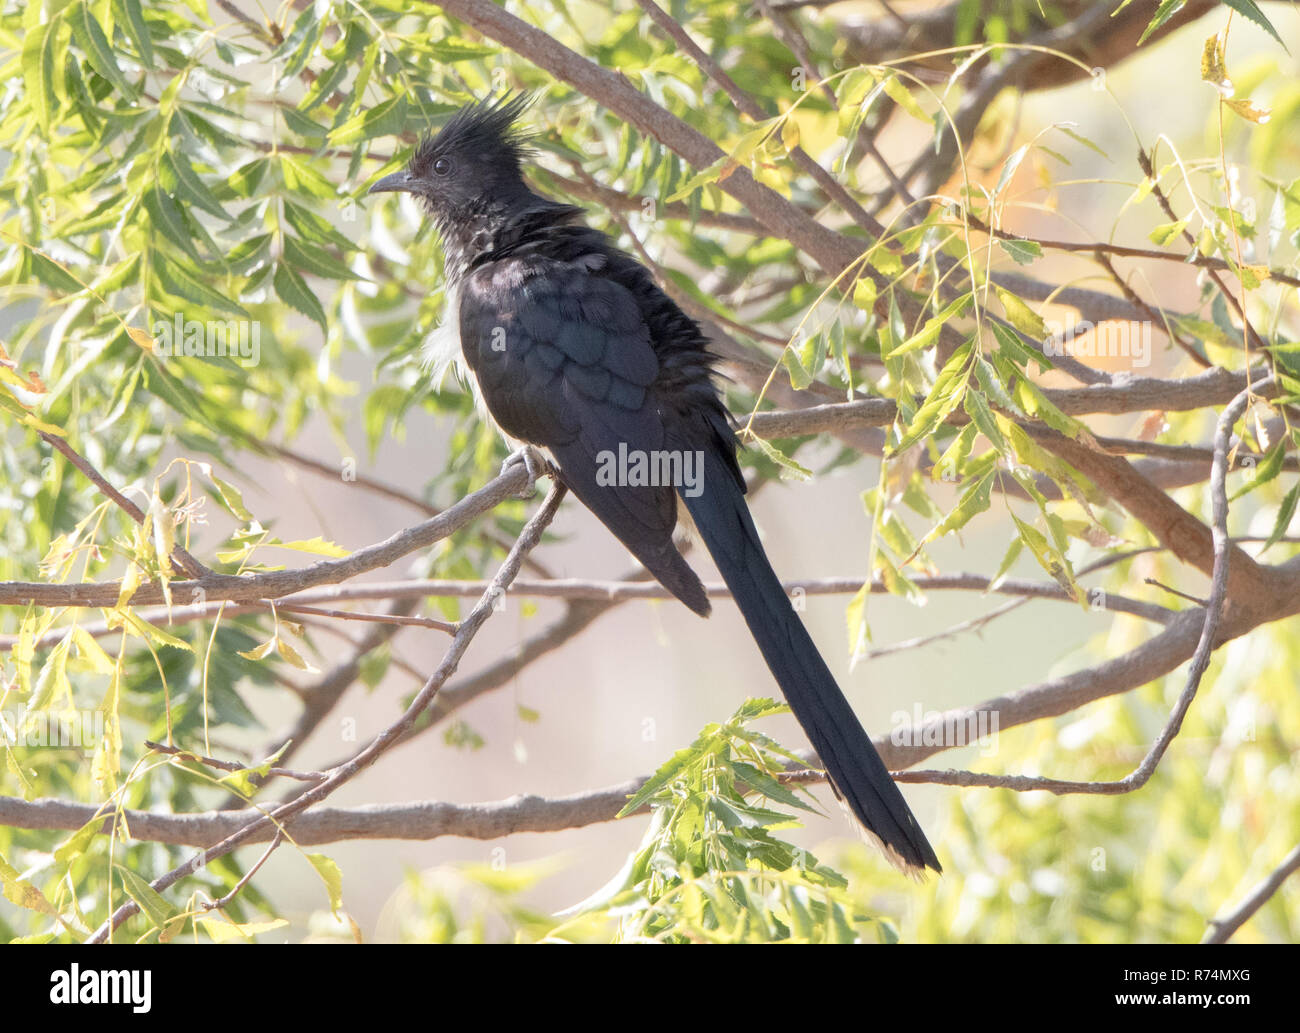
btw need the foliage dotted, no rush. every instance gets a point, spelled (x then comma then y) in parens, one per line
(177, 173)
(710, 868)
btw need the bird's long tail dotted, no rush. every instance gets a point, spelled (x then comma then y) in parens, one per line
(856, 771)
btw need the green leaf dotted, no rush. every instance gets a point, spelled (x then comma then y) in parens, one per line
(135, 27)
(1012, 554)
(312, 259)
(1285, 514)
(384, 119)
(1079, 138)
(929, 333)
(38, 72)
(727, 164)
(1021, 316)
(306, 179)
(22, 892)
(948, 467)
(711, 174)
(1009, 168)
(1166, 10)
(323, 87)
(230, 497)
(52, 683)
(790, 470)
(79, 842)
(1263, 472)
(222, 930)
(1289, 201)
(300, 43)
(974, 500)
(944, 397)
(761, 782)
(1012, 348)
(90, 37)
(977, 408)
(154, 633)
(864, 293)
(1035, 403)
(295, 293)
(1022, 252)
(1250, 10)
(302, 125)
(245, 180)
(313, 227)
(902, 96)
(453, 49)
(152, 903)
(178, 177)
(1047, 555)
(317, 546)
(52, 274)
(175, 393)
(800, 377)
(179, 282)
(167, 219)
(1166, 232)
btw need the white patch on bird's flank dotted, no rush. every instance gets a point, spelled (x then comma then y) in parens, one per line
(442, 348)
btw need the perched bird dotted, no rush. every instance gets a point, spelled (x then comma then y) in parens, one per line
(575, 351)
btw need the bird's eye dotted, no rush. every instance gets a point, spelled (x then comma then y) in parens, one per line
(441, 167)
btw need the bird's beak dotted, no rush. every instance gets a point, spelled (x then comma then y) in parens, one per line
(402, 180)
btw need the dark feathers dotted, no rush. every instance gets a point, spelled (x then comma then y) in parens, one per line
(484, 131)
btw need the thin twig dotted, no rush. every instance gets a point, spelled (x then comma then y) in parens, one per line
(372, 618)
(1221, 929)
(230, 765)
(217, 905)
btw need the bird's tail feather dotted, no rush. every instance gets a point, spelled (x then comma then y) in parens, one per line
(856, 771)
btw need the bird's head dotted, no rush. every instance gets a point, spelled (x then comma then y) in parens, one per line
(471, 165)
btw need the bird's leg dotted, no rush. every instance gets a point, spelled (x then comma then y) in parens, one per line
(534, 462)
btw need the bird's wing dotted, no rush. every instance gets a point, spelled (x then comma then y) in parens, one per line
(563, 360)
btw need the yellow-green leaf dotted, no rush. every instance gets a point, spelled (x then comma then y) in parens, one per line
(1021, 316)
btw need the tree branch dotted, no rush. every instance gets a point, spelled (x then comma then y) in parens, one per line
(1221, 929)
(528, 539)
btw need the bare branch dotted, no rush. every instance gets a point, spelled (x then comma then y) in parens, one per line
(229, 765)
(1221, 929)
(277, 583)
(412, 821)
(598, 591)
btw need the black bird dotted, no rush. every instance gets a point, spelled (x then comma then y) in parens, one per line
(575, 351)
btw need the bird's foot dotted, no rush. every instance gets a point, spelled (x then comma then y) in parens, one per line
(534, 463)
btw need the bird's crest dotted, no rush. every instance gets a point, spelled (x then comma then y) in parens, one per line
(484, 127)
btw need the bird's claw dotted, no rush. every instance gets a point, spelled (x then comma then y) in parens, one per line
(534, 463)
